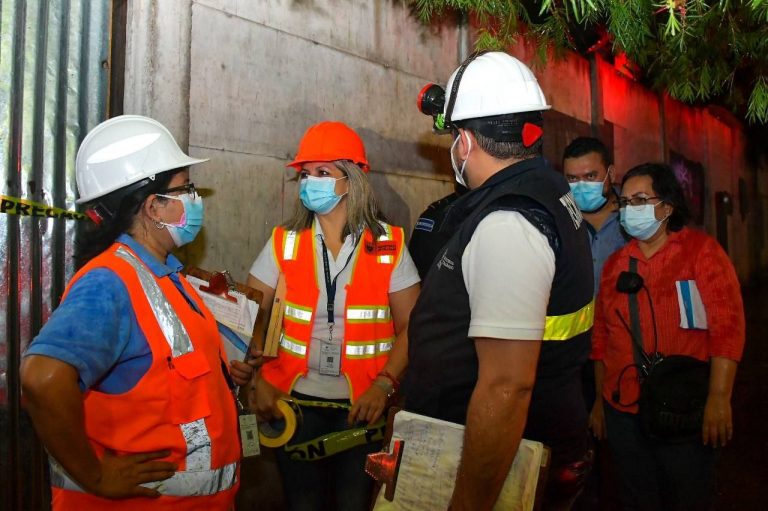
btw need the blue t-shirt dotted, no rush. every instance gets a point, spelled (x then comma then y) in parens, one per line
(95, 328)
(605, 242)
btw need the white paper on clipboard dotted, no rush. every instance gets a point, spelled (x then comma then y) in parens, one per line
(432, 451)
(239, 317)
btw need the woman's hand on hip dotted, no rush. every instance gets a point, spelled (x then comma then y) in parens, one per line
(122, 476)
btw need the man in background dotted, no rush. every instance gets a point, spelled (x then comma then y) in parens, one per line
(589, 170)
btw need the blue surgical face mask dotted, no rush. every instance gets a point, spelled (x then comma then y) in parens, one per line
(191, 221)
(318, 194)
(589, 195)
(640, 221)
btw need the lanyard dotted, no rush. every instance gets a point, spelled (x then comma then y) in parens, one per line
(330, 285)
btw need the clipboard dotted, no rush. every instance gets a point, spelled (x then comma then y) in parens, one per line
(234, 305)
(418, 470)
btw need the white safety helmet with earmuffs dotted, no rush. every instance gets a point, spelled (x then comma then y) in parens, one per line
(491, 84)
(125, 150)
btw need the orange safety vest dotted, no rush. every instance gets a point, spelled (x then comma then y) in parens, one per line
(182, 404)
(368, 328)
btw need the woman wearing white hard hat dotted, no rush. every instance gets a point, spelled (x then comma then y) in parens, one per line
(125, 383)
(351, 285)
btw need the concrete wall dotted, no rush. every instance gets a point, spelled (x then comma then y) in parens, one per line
(252, 76)
(240, 80)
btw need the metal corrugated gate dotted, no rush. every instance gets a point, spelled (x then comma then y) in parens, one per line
(54, 69)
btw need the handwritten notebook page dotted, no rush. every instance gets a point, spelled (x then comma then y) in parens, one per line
(431, 455)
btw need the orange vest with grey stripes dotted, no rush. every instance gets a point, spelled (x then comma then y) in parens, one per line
(182, 404)
(368, 328)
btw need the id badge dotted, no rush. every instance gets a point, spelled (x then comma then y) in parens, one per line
(330, 359)
(249, 435)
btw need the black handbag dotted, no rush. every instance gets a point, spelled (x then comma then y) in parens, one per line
(672, 398)
(674, 388)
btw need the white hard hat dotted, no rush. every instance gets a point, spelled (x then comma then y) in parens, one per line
(494, 83)
(124, 150)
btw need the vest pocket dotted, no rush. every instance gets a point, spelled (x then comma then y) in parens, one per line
(189, 398)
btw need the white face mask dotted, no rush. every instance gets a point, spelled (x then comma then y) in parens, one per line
(458, 172)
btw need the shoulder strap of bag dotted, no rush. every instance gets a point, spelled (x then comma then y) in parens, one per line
(634, 321)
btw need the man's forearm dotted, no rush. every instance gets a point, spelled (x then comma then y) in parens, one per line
(495, 422)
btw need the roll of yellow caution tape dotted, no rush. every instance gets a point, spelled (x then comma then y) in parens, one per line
(278, 433)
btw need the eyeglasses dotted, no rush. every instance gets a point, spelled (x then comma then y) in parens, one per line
(189, 189)
(637, 201)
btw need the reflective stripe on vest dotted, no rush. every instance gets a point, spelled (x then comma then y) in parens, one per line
(182, 484)
(290, 245)
(387, 236)
(298, 313)
(368, 314)
(173, 330)
(368, 349)
(568, 326)
(295, 346)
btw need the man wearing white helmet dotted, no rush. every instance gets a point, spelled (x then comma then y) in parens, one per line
(502, 324)
(125, 383)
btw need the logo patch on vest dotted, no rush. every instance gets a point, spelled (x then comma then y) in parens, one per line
(425, 224)
(444, 261)
(382, 248)
(569, 202)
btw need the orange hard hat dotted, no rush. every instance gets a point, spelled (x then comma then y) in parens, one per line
(330, 141)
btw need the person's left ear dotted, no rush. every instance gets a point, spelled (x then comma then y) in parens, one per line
(608, 184)
(668, 209)
(466, 142)
(151, 208)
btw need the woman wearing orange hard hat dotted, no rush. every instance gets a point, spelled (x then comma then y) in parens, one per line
(350, 286)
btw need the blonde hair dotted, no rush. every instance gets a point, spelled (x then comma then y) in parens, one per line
(362, 207)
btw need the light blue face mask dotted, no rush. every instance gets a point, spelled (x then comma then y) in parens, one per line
(640, 221)
(589, 195)
(191, 221)
(318, 194)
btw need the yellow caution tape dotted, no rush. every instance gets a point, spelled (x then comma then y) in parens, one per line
(333, 443)
(279, 433)
(24, 207)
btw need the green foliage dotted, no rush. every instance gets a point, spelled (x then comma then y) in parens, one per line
(696, 50)
(758, 101)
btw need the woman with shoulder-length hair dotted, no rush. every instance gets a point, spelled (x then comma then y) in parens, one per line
(683, 316)
(125, 383)
(350, 287)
